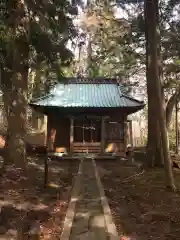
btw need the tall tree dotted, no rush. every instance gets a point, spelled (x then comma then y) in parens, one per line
(169, 68)
(107, 49)
(155, 101)
(31, 31)
(169, 53)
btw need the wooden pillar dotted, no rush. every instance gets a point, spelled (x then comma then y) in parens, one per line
(125, 135)
(102, 134)
(130, 132)
(48, 135)
(35, 117)
(51, 134)
(45, 130)
(177, 137)
(71, 134)
(52, 138)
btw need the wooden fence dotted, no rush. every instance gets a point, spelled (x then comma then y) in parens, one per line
(36, 126)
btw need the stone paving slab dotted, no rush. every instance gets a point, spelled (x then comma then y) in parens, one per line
(89, 222)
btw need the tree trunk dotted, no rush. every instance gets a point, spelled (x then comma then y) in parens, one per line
(176, 127)
(6, 100)
(151, 14)
(170, 106)
(89, 57)
(16, 115)
(153, 137)
(17, 121)
(6, 87)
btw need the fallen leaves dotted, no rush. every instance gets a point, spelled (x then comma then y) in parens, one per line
(29, 210)
(141, 207)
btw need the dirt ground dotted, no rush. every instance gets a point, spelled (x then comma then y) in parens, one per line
(30, 211)
(141, 206)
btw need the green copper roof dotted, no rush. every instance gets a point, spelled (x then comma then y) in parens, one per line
(87, 95)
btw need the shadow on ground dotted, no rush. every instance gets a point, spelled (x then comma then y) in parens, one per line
(100, 233)
(28, 210)
(140, 204)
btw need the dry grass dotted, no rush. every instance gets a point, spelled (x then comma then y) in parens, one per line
(141, 205)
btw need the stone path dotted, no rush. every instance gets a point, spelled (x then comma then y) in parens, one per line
(89, 222)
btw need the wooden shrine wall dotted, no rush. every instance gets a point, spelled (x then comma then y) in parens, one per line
(115, 136)
(59, 127)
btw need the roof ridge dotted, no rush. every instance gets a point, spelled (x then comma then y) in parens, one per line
(131, 98)
(86, 80)
(119, 91)
(41, 97)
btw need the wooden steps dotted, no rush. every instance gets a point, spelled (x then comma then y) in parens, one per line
(86, 147)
